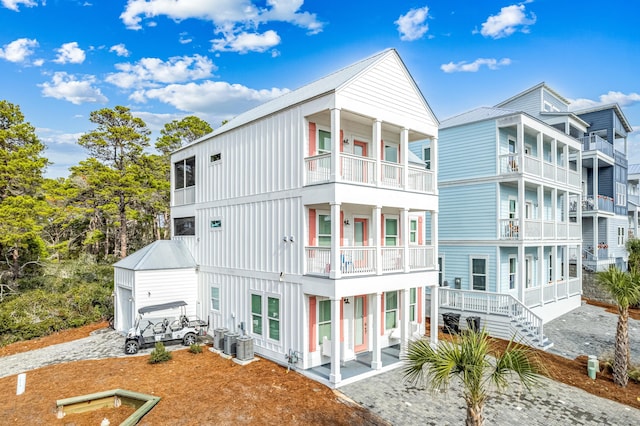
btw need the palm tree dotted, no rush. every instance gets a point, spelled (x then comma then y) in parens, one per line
(470, 360)
(624, 287)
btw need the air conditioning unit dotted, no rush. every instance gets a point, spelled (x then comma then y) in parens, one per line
(230, 343)
(218, 338)
(244, 348)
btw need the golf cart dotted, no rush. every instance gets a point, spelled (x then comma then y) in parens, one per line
(148, 329)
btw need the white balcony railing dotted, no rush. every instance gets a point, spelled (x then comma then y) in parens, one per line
(392, 259)
(552, 292)
(532, 229)
(421, 257)
(549, 229)
(532, 165)
(358, 260)
(549, 170)
(391, 175)
(358, 169)
(421, 180)
(318, 168)
(318, 260)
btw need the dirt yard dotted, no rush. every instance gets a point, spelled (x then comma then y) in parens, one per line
(208, 389)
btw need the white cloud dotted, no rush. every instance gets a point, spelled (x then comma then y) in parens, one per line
(608, 98)
(413, 25)
(57, 137)
(68, 87)
(237, 20)
(509, 20)
(184, 38)
(151, 71)
(463, 66)
(70, 53)
(209, 97)
(246, 42)
(120, 49)
(634, 146)
(13, 4)
(18, 50)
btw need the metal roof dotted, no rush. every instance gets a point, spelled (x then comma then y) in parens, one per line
(633, 169)
(162, 254)
(542, 85)
(475, 115)
(162, 307)
(615, 107)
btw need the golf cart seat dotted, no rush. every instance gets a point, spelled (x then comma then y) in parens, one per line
(160, 327)
(175, 325)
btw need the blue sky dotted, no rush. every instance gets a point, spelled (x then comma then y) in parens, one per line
(165, 59)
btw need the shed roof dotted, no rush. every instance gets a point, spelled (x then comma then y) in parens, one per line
(475, 115)
(161, 254)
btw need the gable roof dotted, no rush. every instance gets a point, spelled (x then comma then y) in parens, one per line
(161, 254)
(538, 86)
(330, 83)
(616, 108)
(476, 115)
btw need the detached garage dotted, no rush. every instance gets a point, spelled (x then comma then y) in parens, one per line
(161, 272)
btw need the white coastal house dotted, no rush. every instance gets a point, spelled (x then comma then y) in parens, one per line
(508, 248)
(305, 217)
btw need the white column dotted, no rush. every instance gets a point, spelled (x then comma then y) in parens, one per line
(336, 263)
(435, 292)
(377, 150)
(521, 273)
(404, 321)
(520, 145)
(335, 145)
(376, 352)
(520, 209)
(434, 238)
(377, 240)
(405, 238)
(404, 156)
(554, 211)
(434, 162)
(335, 376)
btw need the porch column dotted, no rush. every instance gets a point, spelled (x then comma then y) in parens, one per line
(377, 151)
(434, 162)
(540, 270)
(377, 239)
(405, 239)
(520, 145)
(594, 193)
(433, 331)
(520, 209)
(554, 154)
(521, 274)
(404, 321)
(554, 211)
(335, 146)
(404, 156)
(335, 376)
(376, 358)
(596, 239)
(336, 263)
(434, 239)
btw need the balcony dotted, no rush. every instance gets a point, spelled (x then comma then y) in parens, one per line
(536, 229)
(362, 170)
(552, 292)
(533, 166)
(596, 143)
(359, 261)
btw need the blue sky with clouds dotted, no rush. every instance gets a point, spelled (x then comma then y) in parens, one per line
(165, 59)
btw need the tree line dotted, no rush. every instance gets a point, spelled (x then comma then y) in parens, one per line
(114, 202)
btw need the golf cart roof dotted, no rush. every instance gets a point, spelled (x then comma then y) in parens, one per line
(162, 307)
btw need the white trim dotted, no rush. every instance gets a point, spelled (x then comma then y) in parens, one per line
(484, 257)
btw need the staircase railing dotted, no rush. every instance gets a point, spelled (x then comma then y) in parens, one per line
(493, 304)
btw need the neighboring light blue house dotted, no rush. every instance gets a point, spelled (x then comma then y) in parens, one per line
(633, 200)
(605, 223)
(509, 249)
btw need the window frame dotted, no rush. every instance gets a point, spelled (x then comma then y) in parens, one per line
(395, 236)
(271, 319)
(413, 304)
(413, 233)
(323, 236)
(426, 153)
(183, 226)
(473, 275)
(257, 315)
(182, 175)
(214, 299)
(390, 311)
(512, 274)
(621, 194)
(323, 322)
(321, 141)
(621, 236)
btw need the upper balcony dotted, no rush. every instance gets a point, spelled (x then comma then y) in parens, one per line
(364, 171)
(538, 229)
(589, 203)
(510, 164)
(596, 143)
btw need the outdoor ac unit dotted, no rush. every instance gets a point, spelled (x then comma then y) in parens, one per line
(244, 348)
(218, 338)
(230, 343)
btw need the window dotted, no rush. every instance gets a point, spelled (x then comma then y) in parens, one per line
(621, 194)
(324, 141)
(324, 230)
(215, 158)
(512, 145)
(391, 232)
(512, 208)
(413, 301)
(620, 236)
(184, 226)
(390, 310)
(256, 314)
(185, 173)
(391, 153)
(479, 273)
(440, 270)
(550, 267)
(215, 298)
(216, 224)
(324, 320)
(413, 231)
(273, 314)
(427, 158)
(512, 273)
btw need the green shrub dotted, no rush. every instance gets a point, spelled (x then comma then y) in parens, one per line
(195, 349)
(159, 354)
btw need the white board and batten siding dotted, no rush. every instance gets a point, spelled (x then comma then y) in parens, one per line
(154, 287)
(387, 92)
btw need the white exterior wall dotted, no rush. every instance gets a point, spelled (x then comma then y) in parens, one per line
(124, 309)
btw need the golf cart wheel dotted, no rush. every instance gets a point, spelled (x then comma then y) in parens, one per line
(131, 347)
(189, 339)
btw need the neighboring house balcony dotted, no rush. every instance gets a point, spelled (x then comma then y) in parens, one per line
(593, 144)
(514, 164)
(537, 229)
(598, 204)
(370, 172)
(552, 291)
(597, 259)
